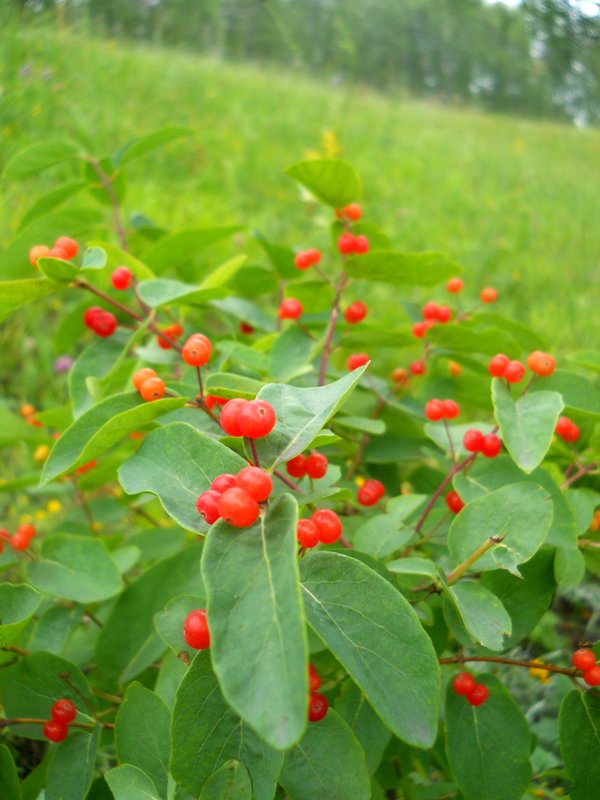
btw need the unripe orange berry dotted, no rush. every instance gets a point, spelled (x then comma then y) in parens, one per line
(142, 375)
(152, 389)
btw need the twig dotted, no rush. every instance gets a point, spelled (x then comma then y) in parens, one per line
(335, 310)
(252, 445)
(457, 573)
(434, 498)
(570, 671)
(107, 185)
(287, 481)
(583, 470)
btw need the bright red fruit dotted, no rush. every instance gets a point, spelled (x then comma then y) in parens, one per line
(19, 541)
(355, 312)
(152, 389)
(257, 419)
(196, 351)
(256, 482)
(290, 309)
(488, 295)
(357, 360)
(592, 676)
(370, 492)
(419, 329)
(584, 659)
(434, 410)
(38, 251)
(453, 501)
(497, 365)
(430, 311)
(541, 363)
(223, 482)
(473, 440)
(307, 533)
(307, 258)
(463, 683)
(361, 245)
(491, 445)
(316, 465)
(238, 507)
(317, 707)
(454, 285)
(314, 679)
(478, 695)
(26, 529)
(353, 211)
(195, 629)
(121, 278)
(296, 467)
(208, 506)
(514, 372)
(230, 414)
(346, 244)
(567, 430)
(417, 367)
(55, 731)
(444, 314)
(105, 324)
(451, 409)
(91, 315)
(69, 246)
(63, 711)
(329, 525)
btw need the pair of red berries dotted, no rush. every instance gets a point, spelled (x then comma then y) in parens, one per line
(441, 409)
(434, 313)
(475, 442)
(172, 332)
(64, 248)
(195, 629)
(349, 244)
(307, 258)
(148, 384)
(197, 350)
(290, 309)
(464, 684)
(102, 322)
(454, 501)
(370, 492)
(19, 540)
(314, 465)
(62, 713)
(502, 367)
(585, 660)
(355, 313)
(121, 278)
(324, 526)
(352, 211)
(567, 429)
(235, 498)
(543, 364)
(357, 360)
(318, 704)
(251, 418)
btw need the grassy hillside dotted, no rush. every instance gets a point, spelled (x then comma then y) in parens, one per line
(515, 202)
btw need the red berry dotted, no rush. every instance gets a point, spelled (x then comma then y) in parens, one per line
(317, 707)
(430, 311)
(152, 389)
(314, 679)
(592, 676)
(488, 295)
(290, 309)
(19, 542)
(434, 410)
(142, 375)
(208, 506)
(567, 430)
(121, 278)
(195, 629)
(346, 243)
(26, 529)
(361, 245)
(370, 492)
(213, 400)
(230, 416)
(355, 312)
(296, 467)
(473, 440)
(491, 445)
(353, 211)
(357, 360)
(55, 731)
(86, 467)
(316, 465)
(478, 695)
(63, 711)
(444, 314)
(196, 351)
(417, 367)
(69, 246)
(453, 501)
(584, 659)
(238, 507)
(497, 365)
(454, 285)
(105, 324)
(514, 372)
(223, 482)
(463, 683)
(307, 533)
(329, 525)
(91, 315)
(307, 258)
(38, 251)
(542, 364)
(245, 328)
(256, 482)
(257, 419)
(451, 409)
(419, 329)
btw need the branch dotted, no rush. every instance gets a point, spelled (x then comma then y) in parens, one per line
(475, 556)
(570, 671)
(107, 185)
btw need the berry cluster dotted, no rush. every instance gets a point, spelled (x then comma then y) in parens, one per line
(251, 418)
(441, 409)
(290, 309)
(197, 350)
(501, 366)
(64, 248)
(370, 492)
(432, 313)
(172, 332)
(235, 498)
(585, 660)
(307, 258)
(475, 442)
(464, 684)
(102, 322)
(355, 312)
(121, 278)
(148, 384)
(195, 629)
(324, 526)
(19, 540)
(318, 704)
(454, 501)
(351, 212)
(567, 430)
(314, 465)
(62, 713)
(349, 244)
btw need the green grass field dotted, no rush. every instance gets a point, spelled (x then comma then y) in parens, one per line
(516, 202)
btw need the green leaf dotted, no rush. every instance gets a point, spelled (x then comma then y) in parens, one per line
(15, 294)
(579, 727)
(97, 360)
(301, 413)
(467, 338)
(569, 567)
(488, 746)
(332, 181)
(230, 782)
(58, 270)
(94, 258)
(364, 338)
(168, 622)
(141, 145)
(39, 157)
(9, 778)
(71, 769)
(290, 355)
(75, 568)
(172, 250)
(519, 513)
(413, 566)
(29, 687)
(121, 258)
(254, 609)
(225, 384)
(374, 632)
(328, 764)
(18, 603)
(224, 273)
(206, 734)
(101, 427)
(383, 534)
(162, 292)
(526, 425)
(142, 734)
(578, 393)
(280, 257)
(49, 201)
(128, 642)
(371, 734)
(130, 783)
(482, 613)
(177, 463)
(402, 269)
(374, 427)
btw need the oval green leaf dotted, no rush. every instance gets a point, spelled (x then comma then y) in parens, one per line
(333, 181)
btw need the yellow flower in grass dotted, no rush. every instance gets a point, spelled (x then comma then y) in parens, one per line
(539, 673)
(331, 144)
(53, 506)
(359, 481)
(40, 454)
